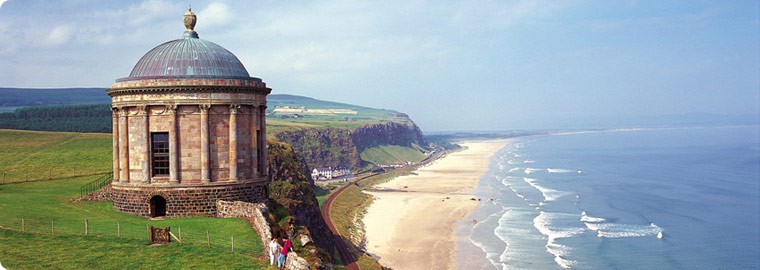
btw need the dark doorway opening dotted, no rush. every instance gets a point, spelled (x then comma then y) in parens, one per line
(157, 206)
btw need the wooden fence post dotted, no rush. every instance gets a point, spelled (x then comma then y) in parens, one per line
(232, 240)
(86, 227)
(118, 230)
(180, 233)
(23, 226)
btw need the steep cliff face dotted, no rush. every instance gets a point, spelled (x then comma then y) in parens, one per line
(323, 147)
(388, 133)
(293, 204)
(340, 147)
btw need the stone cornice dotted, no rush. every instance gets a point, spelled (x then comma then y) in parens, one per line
(188, 89)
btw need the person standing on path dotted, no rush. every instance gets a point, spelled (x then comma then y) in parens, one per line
(286, 247)
(272, 250)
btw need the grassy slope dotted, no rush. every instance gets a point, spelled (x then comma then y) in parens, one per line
(391, 154)
(30, 155)
(41, 203)
(364, 115)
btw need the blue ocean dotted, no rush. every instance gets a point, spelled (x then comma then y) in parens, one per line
(667, 198)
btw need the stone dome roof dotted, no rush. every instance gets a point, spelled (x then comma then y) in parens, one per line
(188, 57)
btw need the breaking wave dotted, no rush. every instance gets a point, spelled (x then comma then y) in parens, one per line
(552, 170)
(549, 194)
(531, 170)
(619, 230)
(544, 224)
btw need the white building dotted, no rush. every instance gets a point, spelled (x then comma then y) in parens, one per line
(329, 173)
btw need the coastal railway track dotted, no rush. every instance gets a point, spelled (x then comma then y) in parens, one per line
(348, 259)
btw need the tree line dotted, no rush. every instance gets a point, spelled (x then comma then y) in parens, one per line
(95, 118)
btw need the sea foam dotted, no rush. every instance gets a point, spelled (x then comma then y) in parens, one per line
(549, 194)
(586, 218)
(553, 170)
(531, 170)
(620, 230)
(544, 223)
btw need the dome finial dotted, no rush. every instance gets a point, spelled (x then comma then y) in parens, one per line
(189, 20)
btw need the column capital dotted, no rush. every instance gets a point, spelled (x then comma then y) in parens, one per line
(142, 110)
(123, 112)
(204, 107)
(171, 108)
(234, 108)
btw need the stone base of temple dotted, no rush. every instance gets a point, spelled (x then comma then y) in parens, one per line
(180, 201)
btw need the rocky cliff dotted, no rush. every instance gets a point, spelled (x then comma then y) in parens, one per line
(324, 147)
(293, 205)
(340, 147)
(387, 133)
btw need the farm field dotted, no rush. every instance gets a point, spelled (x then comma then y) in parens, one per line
(42, 227)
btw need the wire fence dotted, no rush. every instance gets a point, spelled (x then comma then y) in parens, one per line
(51, 173)
(200, 235)
(95, 185)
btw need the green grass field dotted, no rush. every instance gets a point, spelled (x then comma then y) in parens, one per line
(391, 154)
(53, 225)
(32, 155)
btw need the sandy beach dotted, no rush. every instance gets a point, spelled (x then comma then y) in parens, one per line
(410, 224)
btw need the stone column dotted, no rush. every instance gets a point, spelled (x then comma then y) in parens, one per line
(115, 143)
(263, 144)
(253, 126)
(145, 162)
(205, 172)
(173, 159)
(123, 145)
(233, 142)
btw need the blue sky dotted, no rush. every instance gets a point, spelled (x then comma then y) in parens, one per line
(450, 65)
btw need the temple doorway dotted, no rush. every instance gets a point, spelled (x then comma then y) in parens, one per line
(157, 206)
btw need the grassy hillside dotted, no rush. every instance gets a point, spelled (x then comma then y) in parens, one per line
(326, 113)
(33, 155)
(54, 224)
(391, 154)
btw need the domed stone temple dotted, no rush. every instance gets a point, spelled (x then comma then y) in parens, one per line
(188, 129)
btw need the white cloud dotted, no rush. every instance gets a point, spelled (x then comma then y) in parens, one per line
(215, 14)
(59, 35)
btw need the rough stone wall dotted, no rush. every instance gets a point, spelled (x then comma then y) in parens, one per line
(256, 212)
(102, 195)
(191, 201)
